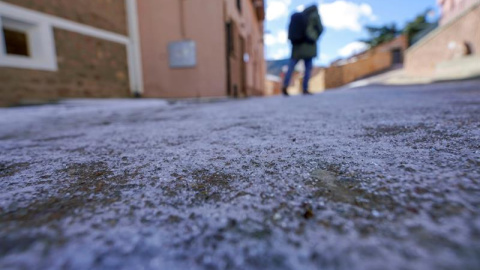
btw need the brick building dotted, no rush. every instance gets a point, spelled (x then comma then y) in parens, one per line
(452, 51)
(53, 49)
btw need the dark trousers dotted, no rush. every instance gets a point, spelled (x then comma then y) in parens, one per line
(291, 69)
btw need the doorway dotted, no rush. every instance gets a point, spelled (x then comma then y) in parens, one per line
(236, 68)
(397, 57)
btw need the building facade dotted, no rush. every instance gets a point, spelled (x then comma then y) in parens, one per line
(452, 8)
(453, 49)
(53, 49)
(194, 48)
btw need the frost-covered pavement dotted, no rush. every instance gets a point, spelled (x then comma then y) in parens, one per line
(371, 178)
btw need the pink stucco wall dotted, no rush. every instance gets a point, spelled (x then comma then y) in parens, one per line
(452, 8)
(164, 21)
(160, 22)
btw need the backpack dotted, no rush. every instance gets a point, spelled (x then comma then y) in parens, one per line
(297, 28)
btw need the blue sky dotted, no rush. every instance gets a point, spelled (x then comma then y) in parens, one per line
(343, 21)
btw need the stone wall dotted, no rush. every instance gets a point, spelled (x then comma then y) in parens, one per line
(109, 15)
(87, 67)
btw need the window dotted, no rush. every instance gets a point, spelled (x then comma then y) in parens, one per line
(239, 5)
(16, 42)
(26, 41)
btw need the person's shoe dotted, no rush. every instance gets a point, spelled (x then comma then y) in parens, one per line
(305, 92)
(284, 91)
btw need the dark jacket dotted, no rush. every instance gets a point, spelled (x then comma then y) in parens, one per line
(306, 49)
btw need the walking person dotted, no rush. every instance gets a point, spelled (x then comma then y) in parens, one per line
(304, 31)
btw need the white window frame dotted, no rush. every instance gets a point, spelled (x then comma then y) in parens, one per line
(41, 43)
(45, 23)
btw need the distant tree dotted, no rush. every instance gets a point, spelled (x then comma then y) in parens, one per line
(381, 34)
(418, 25)
(385, 33)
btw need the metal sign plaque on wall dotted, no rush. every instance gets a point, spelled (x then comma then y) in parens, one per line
(182, 54)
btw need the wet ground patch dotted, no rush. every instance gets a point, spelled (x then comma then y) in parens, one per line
(337, 186)
(242, 124)
(211, 186)
(10, 169)
(203, 186)
(85, 186)
(434, 136)
(393, 130)
(420, 135)
(179, 140)
(58, 138)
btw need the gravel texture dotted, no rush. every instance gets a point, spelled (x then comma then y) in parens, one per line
(369, 178)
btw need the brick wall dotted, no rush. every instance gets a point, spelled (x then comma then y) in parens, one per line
(105, 14)
(374, 63)
(272, 87)
(316, 84)
(370, 63)
(400, 42)
(333, 77)
(445, 44)
(317, 81)
(88, 67)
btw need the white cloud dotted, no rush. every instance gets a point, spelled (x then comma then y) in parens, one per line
(269, 39)
(353, 48)
(341, 15)
(324, 57)
(280, 53)
(300, 8)
(281, 37)
(277, 9)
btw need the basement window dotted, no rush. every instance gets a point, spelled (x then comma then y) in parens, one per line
(16, 42)
(26, 40)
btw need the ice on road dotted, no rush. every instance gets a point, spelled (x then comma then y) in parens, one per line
(370, 178)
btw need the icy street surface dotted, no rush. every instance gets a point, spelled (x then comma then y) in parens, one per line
(369, 178)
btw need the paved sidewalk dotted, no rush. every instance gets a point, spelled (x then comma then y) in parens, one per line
(366, 178)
